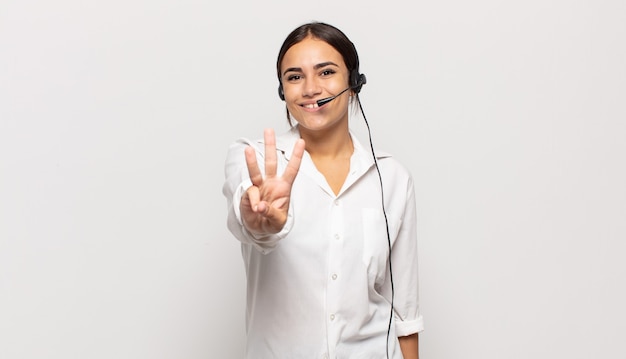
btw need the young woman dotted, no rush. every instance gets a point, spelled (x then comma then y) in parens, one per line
(317, 215)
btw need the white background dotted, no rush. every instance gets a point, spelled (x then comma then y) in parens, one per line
(115, 117)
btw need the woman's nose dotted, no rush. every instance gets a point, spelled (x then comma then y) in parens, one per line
(311, 87)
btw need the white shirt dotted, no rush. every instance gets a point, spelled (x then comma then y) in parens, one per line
(320, 288)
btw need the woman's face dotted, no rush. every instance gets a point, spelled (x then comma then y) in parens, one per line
(312, 70)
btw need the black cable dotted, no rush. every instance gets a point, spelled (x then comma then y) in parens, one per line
(382, 196)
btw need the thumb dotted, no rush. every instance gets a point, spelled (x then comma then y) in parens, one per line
(276, 218)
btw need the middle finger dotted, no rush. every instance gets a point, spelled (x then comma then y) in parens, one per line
(270, 152)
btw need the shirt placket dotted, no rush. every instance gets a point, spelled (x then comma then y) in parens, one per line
(334, 275)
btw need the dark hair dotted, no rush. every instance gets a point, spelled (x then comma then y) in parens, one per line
(327, 33)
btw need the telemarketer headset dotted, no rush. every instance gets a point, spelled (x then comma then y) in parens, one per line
(357, 81)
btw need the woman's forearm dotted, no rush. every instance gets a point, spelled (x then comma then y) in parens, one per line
(409, 346)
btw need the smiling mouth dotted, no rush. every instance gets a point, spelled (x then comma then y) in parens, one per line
(311, 105)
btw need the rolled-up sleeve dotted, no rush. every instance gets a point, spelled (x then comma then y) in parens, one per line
(408, 317)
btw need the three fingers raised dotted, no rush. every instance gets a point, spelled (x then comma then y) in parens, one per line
(271, 161)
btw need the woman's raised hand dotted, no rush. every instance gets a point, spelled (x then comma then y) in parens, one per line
(265, 204)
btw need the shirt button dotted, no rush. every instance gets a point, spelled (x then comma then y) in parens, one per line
(337, 236)
(332, 317)
(336, 202)
(334, 277)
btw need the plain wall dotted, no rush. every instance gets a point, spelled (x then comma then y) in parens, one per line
(115, 118)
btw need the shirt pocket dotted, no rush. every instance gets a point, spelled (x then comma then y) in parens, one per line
(375, 243)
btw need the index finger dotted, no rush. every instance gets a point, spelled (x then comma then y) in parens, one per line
(294, 162)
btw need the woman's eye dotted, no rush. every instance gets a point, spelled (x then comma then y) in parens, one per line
(328, 72)
(293, 77)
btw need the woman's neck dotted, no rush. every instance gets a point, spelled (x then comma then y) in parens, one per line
(335, 143)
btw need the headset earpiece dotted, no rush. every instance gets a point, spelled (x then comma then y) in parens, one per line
(281, 94)
(357, 81)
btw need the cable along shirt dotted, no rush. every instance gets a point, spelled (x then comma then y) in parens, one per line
(321, 287)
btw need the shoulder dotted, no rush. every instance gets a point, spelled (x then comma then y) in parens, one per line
(284, 141)
(388, 164)
(391, 166)
(237, 147)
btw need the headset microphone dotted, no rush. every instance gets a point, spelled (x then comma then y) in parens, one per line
(326, 100)
(360, 81)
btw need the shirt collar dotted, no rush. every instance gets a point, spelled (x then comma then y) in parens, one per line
(286, 141)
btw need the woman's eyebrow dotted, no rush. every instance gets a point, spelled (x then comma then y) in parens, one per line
(292, 69)
(324, 64)
(316, 67)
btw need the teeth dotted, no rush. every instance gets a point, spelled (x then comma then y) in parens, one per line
(311, 105)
